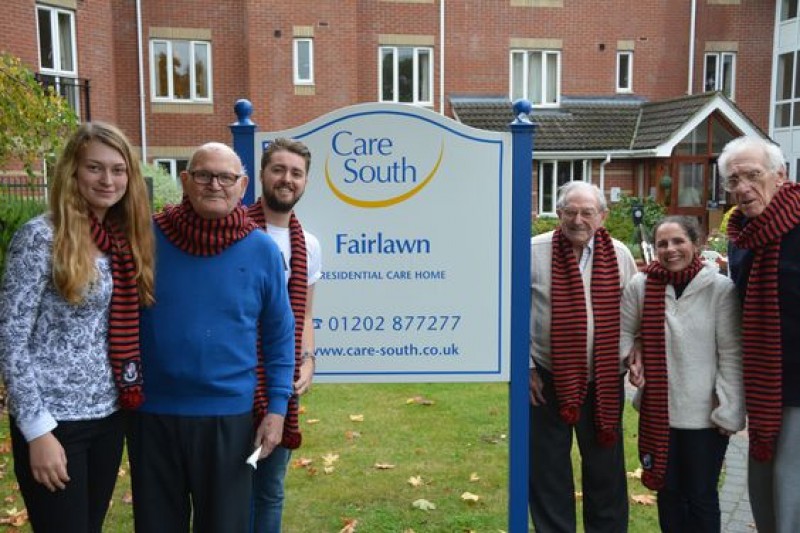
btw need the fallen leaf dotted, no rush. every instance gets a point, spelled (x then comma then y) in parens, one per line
(5, 445)
(424, 505)
(312, 421)
(356, 418)
(121, 472)
(351, 435)
(578, 495)
(349, 525)
(415, 481)
(312, 471)
(643, 499)
(408, 530)
(9, 499)
(301, 410)
(473, 477)
(328, 469)
(127, 497)
(636, 474)
(384, 466)
(420, 400)
(302, 462)
(469, 497)
(15, 518)
(329, 458)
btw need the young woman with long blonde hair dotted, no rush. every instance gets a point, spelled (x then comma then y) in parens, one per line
(69, 340)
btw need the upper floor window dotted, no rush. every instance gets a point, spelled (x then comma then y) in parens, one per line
(57, 52)
(720, 72)
(787, 92)
(406, 74)
(303, 52)
(535, 75)
(788, 9)
(554, 174)
(180, 70)
(624, 72)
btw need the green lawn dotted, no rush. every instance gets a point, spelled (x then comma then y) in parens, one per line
(371, 451)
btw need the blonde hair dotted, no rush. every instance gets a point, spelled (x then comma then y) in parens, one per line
(73, 246)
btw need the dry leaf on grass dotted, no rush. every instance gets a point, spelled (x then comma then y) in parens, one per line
(302, 462)
(473, 477)
(328, 469)
(424, 504)
(356, 418)
(415, 481)
(578, 495)
(419, 400)
(15, 518)
(127, 497)
(636, 474)
(643, 499)
(312, 421)
(349, 525)
(469, 497)
(301, 410)
(330, 458)
(384, 466)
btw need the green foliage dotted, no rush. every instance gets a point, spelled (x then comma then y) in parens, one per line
(620, 221)
(34, 121)
(165, 189)
(14, 212)
(543, 225)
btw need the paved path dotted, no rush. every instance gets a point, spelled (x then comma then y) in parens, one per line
(733, 499)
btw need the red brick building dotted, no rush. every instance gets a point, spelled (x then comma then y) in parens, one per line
(168, 73)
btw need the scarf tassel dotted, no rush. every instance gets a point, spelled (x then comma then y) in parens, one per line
(761, 451)
(131, 398)
(607, 437)
(652, 481)
(570, 414)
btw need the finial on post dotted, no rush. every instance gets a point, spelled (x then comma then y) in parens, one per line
(522, 108)
(243, 109)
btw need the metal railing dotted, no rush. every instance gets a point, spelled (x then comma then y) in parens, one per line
(77, 91)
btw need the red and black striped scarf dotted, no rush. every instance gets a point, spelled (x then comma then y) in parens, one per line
(203, 237)
(298, 290)
(761, 324)
(654, 410)
(123, 316)
(568, 333)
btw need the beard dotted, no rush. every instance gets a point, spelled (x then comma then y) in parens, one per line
(277, 205)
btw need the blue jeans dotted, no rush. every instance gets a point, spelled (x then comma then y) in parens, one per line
(268, 491)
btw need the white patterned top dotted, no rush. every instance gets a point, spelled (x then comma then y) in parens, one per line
(53, 354)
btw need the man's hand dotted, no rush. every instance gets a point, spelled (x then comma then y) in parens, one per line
(303, 383)
(636, 366)
(269, 434)
(48, 462)
(537, 388)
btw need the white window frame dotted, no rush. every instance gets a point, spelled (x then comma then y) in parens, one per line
(55, 74)
(544, 80)
(193, 98)
(718, 78)
(628, 54)
(786, 101)
(788, 10)
(550, 210)
(172, 164)
(416, 88)
(297, 75)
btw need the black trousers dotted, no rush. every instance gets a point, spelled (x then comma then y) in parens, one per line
(551, 485)
(94, 450)
(190, 472)
(689, 501)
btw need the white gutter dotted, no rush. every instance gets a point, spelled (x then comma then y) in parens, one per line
(142, 118)
(691, 46)
(603, 173)
(441, 57)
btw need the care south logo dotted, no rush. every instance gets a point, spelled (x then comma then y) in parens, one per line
(377, 170)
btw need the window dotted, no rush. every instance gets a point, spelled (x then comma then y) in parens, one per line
(57, 57)
(788, 9)
(720, 73)
(535, 75)
(787, 92)
(406, 75)
(554, 174)
(180, 70)
(624, 72)
(173, 167)
(303, 52)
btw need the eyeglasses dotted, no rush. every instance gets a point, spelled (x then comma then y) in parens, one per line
(750, 177)
(204, 177)
(585, 213)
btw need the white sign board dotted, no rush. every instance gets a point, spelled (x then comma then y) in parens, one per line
(413, 213)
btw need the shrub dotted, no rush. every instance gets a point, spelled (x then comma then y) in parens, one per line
(165, 189)
(620, 221)
(14, 212)
(543, 225)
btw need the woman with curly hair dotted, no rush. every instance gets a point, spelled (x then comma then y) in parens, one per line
(69, 330)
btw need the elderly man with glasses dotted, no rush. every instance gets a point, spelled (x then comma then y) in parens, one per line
(577, 275)
(764, 261)
(219, 286)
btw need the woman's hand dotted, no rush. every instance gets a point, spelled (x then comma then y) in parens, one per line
(48, 462)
